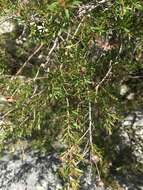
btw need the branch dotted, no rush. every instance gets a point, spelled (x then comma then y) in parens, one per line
(7, 19)
(85, 9)
(90, 124)
(55, 44)
(29, 58)
(105, 77)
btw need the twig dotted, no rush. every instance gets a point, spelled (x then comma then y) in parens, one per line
(7, 18)
(78, 27)
(90, 133)
(72, 148)
(23, 121)
(68, 34)
(90, 139)
(34, 95)
(105, 77)
(36, 76)
(136, 77)
(68, 116)
(29, 58)
(90, 124)
(84, 9)
(51, 50)
(7, 113)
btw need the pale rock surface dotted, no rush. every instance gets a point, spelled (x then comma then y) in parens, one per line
(131, 135)
(7, 25)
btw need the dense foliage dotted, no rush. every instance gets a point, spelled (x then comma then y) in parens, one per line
(63, 68)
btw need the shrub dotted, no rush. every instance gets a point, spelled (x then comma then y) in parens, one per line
(71, 94)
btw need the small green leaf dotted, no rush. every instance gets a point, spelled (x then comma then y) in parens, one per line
(75, 125)
(53, 6)
(67, 14)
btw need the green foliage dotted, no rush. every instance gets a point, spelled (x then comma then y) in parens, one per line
(73, 95)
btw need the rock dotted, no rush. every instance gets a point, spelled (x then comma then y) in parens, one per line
(130, 181)
(30, 171)
(124, 89)
(89, 181)
(131, 96)
(7, 25)
(128, 141)
(34, 171)
(131, 135)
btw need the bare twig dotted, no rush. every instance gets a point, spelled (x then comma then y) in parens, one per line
(36, 76)
(84, 9)
(90, 124)
(29, 58)
(90, 138)
(136, 77)
(68, 116)
(72, 148)
(23, 78)
(34, 95)
(24, 121)
(105, 77)
(7, 19)
(7, 113)
(78, 27)
(55, 44)
(90, 132)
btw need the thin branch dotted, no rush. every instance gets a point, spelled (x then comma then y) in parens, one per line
(21, 77)
(78, 27)
(72, 148)
(68, 116)
(7, 113)
(136, 77)
(84, 9)
(55, 44)
(24, 121)
(7, 19)
(105, 77)
(36, 76)
(91, 138)
(90, 124)
(29, 58)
